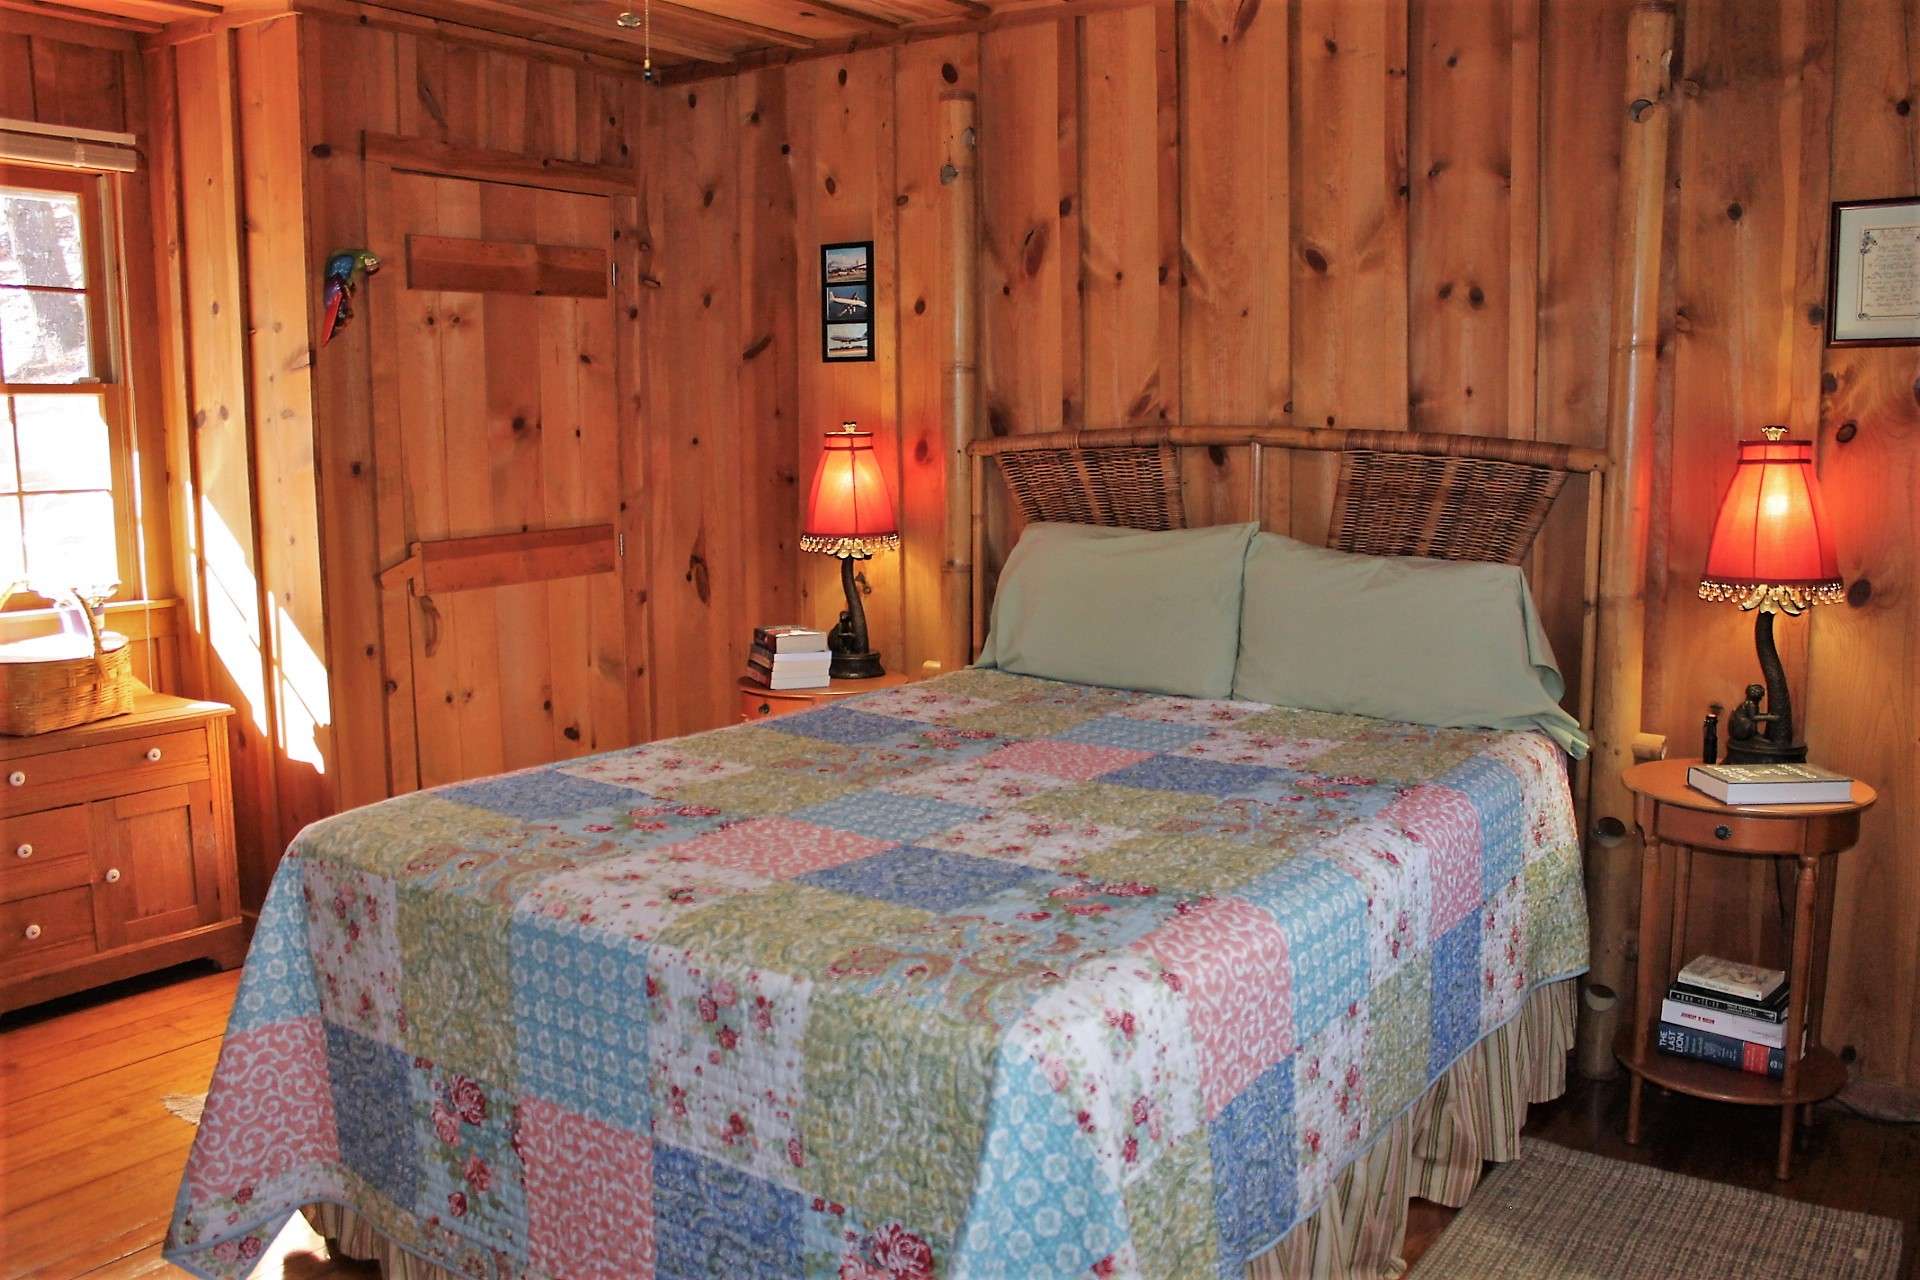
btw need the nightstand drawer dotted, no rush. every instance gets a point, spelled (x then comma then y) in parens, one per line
(1734, 832)
(46, 929)
(42, 852)
(110, 768)
(765, 704)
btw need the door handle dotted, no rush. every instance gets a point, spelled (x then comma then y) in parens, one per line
(430, 626)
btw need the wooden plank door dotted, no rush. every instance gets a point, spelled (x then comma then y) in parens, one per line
(495, 414)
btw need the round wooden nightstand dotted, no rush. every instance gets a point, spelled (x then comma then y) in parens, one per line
(1672, 815)
(757, 702)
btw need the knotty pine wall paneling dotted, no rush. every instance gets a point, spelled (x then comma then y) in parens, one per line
(279, 361)
(1235, 204)
(1863, 680)
(691, 259)
(368, 58)
(1130, 216)
(773, 332)
(1350, 231)
(215, 373)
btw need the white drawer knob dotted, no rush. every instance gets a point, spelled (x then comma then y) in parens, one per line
(113, 875)
(153, 753)
(24, 851)
(17, 779)
(33, 931)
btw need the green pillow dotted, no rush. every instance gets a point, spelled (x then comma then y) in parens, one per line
(1455, 644)
(1153, 611)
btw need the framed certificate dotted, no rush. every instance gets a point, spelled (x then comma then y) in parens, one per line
(1873, 290)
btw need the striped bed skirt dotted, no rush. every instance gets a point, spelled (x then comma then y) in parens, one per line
(1434, 1150)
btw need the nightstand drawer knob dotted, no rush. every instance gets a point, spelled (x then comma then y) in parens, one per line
(1723, 832)
(17, 778)
(765, 709)
(24, 851)
(153, 753)
(33, 932)
(113, 875)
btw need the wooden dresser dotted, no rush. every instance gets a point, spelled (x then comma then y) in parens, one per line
(116, 850)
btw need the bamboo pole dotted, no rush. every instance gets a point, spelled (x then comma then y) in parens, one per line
(960, 364)
(1639, 235)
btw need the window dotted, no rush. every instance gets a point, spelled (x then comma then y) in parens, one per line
(64, 522)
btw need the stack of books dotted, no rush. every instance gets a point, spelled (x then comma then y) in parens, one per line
(789, 657)
(1734, 1015)
(1770, 783)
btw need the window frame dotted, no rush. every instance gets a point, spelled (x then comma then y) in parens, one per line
(99, 242)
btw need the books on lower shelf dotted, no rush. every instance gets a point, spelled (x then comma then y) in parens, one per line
(1774, 1010)
(787, 660)
(1725, 1051)
(1733, 979)
(1727, 1013)
(1770, 783)
(1720, 1022)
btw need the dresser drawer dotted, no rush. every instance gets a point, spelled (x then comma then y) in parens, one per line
(46, 929)
(108, 768)
(41, 852)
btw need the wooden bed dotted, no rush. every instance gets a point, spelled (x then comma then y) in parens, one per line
(1452, 497)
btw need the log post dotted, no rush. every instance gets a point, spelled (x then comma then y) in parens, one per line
(1632, 403)
(960, 367)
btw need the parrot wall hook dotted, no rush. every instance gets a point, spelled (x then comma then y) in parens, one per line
(343, 275)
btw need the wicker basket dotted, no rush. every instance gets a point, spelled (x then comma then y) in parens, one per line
(56, 682)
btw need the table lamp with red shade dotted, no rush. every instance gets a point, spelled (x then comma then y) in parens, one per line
(850, 515)
(1772, 551)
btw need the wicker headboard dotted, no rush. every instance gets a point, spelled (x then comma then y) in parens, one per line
(1450, 497)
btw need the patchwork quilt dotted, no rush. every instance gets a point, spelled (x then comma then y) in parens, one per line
(987, 976)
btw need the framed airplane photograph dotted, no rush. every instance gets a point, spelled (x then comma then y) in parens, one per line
(846, 301)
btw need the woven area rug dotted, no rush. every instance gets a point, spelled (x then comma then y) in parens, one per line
(1556, 1214)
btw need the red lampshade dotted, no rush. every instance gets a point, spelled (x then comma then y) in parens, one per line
(1772, 543)
(850, 512)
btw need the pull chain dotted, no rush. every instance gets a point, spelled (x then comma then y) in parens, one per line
(644, 20)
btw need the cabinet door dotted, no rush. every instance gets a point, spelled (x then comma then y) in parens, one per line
(156, 863)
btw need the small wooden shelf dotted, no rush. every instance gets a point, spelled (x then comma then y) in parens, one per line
(1820, 1075)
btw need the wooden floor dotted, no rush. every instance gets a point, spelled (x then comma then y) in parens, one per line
(89, 1158)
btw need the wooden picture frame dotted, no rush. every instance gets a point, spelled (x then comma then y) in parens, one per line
(1873, 273)
(847, 333)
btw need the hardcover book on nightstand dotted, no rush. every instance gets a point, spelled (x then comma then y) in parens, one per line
(1770, 783)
